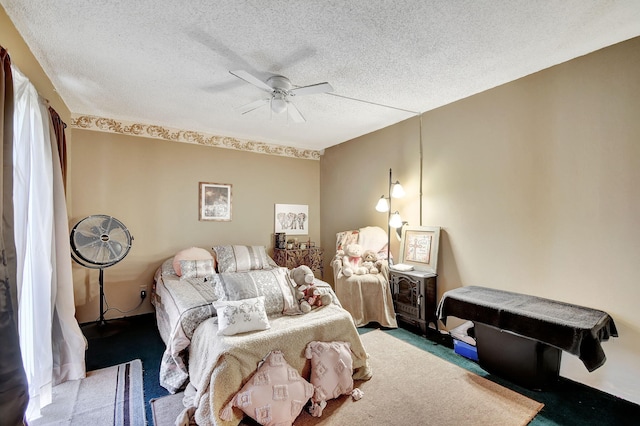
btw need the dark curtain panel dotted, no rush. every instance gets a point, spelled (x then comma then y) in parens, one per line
(14, 390)
(58, 127)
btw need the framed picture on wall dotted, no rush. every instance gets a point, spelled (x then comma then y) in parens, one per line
(419, 247)
(214, 201)
(292, 219)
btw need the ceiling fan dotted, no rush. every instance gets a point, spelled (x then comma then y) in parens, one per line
(280, 90)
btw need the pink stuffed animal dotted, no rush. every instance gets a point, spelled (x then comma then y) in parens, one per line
(314, 298)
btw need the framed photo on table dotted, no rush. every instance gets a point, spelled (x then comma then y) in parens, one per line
(419, 247)
(214, 201)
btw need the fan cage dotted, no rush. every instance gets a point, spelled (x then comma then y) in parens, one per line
(100, 241)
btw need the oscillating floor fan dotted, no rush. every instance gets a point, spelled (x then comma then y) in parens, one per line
(98, 242)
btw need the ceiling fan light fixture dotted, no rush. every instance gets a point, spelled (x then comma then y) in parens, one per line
(278, 105)
(280, 89)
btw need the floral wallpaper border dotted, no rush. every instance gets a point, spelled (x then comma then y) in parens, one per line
(90, 122)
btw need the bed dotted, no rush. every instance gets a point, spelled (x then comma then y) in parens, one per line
(211, 366)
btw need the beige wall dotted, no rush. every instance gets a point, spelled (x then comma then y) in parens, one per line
(152, 187)
(536, 185)
(355, 175)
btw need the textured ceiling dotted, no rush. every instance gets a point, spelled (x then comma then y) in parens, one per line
(167, 63)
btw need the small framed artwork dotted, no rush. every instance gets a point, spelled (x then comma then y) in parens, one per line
(215, 201)
(419, 247)
(292, 219)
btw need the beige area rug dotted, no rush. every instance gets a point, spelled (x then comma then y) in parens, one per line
(409, 387)
(112, 396)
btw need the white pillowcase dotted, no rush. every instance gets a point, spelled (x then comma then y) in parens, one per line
(196, 268)
(192, 253)
(242, 258)
(240, 316)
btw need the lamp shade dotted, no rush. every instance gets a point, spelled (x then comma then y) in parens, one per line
(383, 205)
(395, 221)
(278, 105)
(397, 191)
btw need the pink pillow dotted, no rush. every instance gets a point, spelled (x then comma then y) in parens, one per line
(275, 394)
(193, 253)
(331, 373)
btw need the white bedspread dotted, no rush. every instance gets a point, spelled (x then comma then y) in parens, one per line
(220, 365)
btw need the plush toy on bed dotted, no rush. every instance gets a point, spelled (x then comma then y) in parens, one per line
(313, 298)
(370, 261)
(307, 293)
(352, 261)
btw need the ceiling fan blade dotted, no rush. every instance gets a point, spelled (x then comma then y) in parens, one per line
(312, 89)
(253, 105)
(294, 113)
(251, 79)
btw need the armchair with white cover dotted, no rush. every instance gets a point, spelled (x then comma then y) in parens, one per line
(367, 297)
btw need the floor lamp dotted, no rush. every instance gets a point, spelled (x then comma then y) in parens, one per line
(384, 205)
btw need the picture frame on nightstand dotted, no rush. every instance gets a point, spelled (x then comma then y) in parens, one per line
(419, 247)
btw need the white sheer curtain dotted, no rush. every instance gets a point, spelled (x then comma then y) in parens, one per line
(51, 342)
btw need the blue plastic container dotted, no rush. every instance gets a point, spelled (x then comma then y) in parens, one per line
(465, 349)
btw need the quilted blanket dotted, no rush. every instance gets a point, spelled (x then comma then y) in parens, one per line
(219, 366)
(183, 304)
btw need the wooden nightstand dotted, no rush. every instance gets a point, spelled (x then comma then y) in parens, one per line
(414, 297)
(292, 258)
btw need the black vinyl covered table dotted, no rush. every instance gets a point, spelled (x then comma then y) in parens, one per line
(575, 329)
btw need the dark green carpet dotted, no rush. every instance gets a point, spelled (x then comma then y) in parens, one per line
(567, 403)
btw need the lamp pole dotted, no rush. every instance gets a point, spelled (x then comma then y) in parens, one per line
(384, 205)
(389, 262)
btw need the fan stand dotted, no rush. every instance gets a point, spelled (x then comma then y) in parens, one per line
(94, 245)
(102, 327)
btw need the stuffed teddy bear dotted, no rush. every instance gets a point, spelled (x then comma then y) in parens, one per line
(302, 275)
(369, 261)
(352, 261)
(306, 293)
(313, 298)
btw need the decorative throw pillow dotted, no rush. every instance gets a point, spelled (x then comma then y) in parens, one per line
(242, 258)
(344, 238)
(167, 267)
(275, 394)
(331, 373)
(240, 316)
(270, 283)
(196, 268)
(192, 253)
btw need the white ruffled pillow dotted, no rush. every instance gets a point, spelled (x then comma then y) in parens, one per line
(241, 316)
